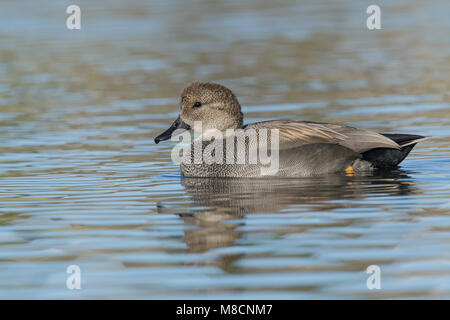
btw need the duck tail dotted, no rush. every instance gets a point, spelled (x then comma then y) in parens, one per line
(404, 140)
(388, 158)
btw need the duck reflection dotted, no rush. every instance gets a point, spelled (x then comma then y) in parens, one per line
(220, 201)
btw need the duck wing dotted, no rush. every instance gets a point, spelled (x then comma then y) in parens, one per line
(296, 133)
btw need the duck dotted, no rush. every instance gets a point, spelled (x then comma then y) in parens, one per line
(296, 148)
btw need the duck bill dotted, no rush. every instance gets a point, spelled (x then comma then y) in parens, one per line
(166, 135)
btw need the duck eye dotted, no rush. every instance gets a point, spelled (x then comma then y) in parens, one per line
(197, 104)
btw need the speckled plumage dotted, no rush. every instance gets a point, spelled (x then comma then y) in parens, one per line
(305, 148)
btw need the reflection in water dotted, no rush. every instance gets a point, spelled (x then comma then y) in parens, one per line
(227, 199)
(81, 179)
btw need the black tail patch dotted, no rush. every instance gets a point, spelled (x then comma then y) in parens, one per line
(388, 158)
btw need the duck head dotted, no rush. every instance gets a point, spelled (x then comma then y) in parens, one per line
(213, 104)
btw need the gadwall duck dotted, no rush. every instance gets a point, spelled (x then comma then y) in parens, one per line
(299, 148)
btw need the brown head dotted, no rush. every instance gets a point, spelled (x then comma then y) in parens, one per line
(211, 103)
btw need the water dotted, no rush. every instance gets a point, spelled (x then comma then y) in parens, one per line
(82, 182)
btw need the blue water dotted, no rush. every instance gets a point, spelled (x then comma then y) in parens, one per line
(82, 182)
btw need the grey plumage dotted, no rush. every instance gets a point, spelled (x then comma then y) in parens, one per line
(305, 148)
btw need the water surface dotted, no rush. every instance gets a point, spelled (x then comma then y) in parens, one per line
(82, 182)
